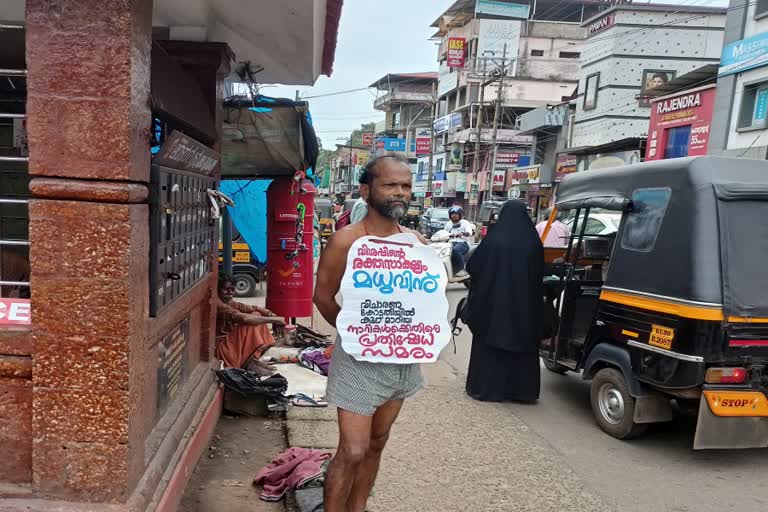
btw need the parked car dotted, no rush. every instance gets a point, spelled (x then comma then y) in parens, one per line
(433, 220)
(600, 223)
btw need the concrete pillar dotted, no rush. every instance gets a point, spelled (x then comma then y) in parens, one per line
(88, 126)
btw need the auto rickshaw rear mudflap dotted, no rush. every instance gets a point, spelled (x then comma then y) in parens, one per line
(715, 432)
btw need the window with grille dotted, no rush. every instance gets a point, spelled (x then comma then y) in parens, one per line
(14, 182)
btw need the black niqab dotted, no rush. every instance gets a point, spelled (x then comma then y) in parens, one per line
(505, 310)
(507, 269)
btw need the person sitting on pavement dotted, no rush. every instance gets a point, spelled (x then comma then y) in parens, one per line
(559, 233)
(460, 229)
(242, 331)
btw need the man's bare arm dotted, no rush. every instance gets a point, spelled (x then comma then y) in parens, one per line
(333, 261)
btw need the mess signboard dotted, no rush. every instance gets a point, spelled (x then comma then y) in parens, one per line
(394, 305)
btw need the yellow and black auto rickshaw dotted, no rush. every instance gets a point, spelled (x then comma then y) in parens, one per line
(680, 317)
(324, 209)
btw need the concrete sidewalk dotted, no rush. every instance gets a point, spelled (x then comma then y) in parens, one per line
(451, 453)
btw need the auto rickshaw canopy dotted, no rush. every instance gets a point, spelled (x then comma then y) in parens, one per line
(693, 229)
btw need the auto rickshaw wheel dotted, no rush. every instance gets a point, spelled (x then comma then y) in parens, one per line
(613, 405)
(245, 285)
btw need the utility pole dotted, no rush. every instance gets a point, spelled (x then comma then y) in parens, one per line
(496, 116)
(478, 133)
(428, 192)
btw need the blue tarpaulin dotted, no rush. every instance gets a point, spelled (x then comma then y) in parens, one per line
(250, 212)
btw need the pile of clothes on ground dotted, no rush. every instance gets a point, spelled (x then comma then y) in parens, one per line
(295, 374)
(297, 469)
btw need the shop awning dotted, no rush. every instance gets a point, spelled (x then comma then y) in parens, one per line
(267, 138)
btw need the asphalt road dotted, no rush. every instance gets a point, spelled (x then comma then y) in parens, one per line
(658, 472)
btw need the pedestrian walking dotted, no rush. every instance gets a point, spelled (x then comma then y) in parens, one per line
(505, 310)
(368, 395)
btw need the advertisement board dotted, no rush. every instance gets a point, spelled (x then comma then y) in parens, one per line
(502, 9)
(457, 51)
(506, 159)
(447, 80)
(494, 34)
(523, 176)
(368, 139)
(461, 181)
(566, 164)
(607, 160)
(498, 180)
(456, 157)
(423, 141)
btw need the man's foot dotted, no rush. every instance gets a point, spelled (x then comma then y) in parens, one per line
(461, 273)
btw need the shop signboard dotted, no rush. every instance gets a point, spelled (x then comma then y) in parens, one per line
(15, 312)
(455, 120)
(680, 124)
(457, 51)
(423, 141)
(495, 35)
(502, 9)
(506, 159)
(368, 139)
(524, 176)
(362, 158)
(395, 308)
(498, 180)
(743, 55)
(602, 24)
(566, 164)
(449, 122)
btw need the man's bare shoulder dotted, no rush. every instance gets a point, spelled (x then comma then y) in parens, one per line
(343, 239)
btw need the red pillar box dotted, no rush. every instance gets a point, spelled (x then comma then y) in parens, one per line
(290, 266)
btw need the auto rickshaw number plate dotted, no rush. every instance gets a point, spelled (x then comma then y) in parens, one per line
(661, 337)
(242, 257)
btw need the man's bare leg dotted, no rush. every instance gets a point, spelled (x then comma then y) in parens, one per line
(354, 440)
(366, 474)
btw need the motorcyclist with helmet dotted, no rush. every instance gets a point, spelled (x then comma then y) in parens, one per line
(461, 230)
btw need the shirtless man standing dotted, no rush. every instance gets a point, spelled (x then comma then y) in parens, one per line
(368, 395)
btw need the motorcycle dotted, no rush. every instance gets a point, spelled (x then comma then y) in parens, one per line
(441, 243)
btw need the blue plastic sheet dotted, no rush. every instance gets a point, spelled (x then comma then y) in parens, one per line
(250, 212)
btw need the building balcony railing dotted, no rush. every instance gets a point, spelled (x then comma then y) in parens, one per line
(396, 97)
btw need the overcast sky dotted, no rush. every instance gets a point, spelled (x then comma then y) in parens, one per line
(377, 37)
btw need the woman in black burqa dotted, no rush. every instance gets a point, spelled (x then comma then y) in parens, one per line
(505, 310)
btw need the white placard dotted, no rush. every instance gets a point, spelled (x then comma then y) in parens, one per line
(394, 305)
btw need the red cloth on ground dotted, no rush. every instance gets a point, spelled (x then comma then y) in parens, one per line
(290, 470)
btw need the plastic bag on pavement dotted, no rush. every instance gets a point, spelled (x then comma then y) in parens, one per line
(248, 384)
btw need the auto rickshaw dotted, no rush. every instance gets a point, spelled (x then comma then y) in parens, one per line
(412, 217)
(324, 209)
(248, 271)
(489, 215)
(680, 317)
